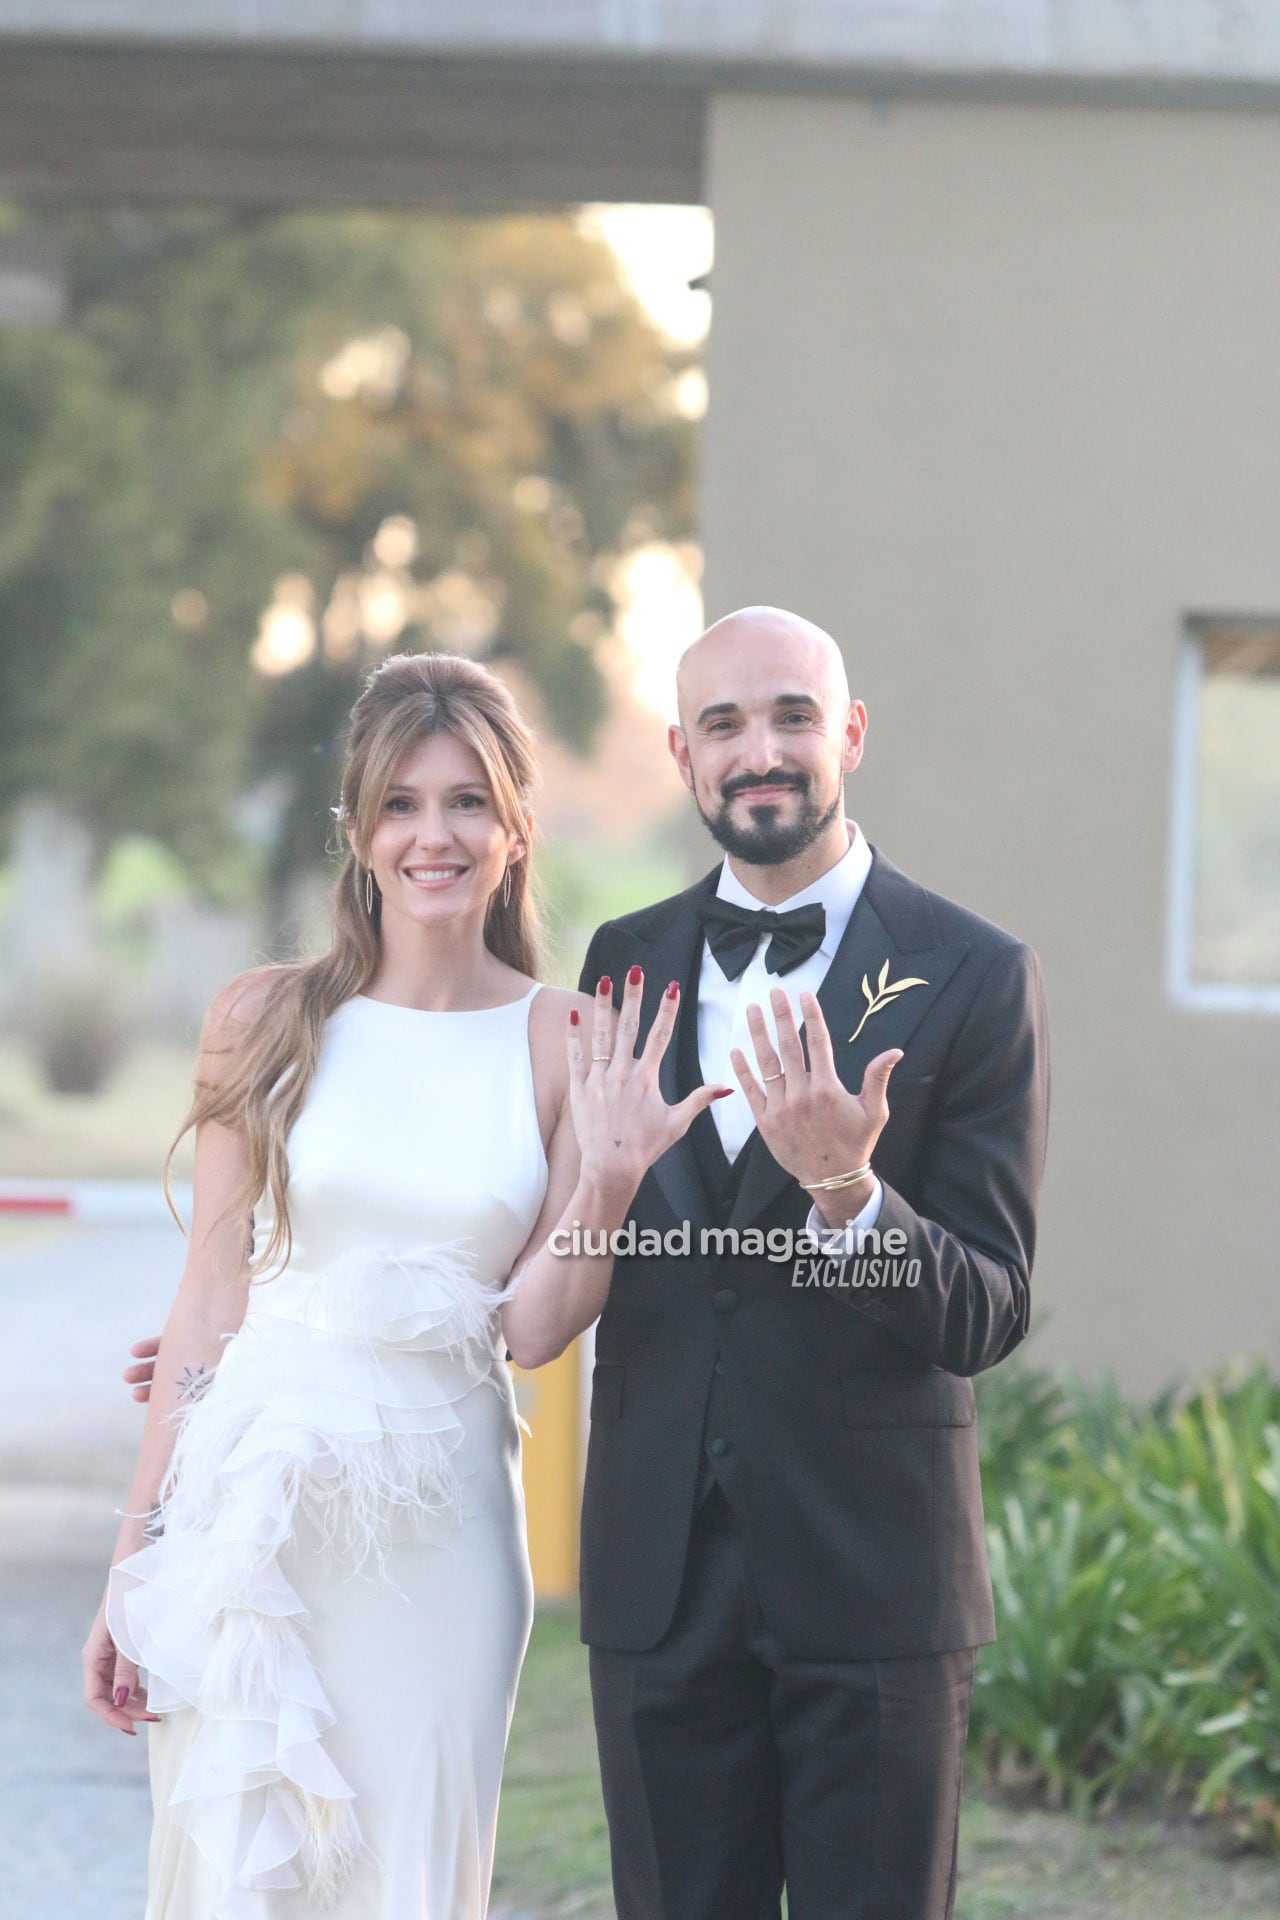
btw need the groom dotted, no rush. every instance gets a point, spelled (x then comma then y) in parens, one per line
(783, 1570)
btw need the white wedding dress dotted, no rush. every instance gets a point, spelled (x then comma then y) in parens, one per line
(332, 1621)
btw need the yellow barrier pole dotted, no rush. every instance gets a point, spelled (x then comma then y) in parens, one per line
(549, 1400)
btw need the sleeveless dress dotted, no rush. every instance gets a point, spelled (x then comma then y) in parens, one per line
(331, 1614)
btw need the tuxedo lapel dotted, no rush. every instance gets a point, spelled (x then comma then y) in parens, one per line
(877, 990)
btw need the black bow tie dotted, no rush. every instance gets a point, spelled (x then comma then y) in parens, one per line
(733, 934)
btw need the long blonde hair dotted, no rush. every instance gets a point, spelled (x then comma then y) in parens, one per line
(408, 698)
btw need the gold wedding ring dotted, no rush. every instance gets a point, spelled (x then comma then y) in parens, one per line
(602, 1056)
(779, 1075)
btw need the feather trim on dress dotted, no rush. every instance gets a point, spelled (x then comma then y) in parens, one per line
(386, 1344)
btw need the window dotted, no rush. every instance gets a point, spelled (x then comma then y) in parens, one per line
(1224, 946)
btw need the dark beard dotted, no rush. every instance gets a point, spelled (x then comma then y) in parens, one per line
(766, 843)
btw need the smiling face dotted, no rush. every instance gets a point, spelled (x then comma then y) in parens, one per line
(439, 848)
(767, 734)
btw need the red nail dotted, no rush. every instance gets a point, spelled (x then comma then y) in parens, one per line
(722, 1093)
(673, 990)
(120, 1695)
(573, 1016)
(634, 977)
(604, 984)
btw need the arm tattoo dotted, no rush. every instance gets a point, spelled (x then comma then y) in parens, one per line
(193, 1386)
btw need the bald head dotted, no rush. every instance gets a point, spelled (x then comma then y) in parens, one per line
(767, 732)
(764, 641)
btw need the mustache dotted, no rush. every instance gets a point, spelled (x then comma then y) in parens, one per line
(746, 781)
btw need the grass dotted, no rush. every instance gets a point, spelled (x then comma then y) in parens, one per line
(553, 1848)
(1032, 1865)
(553, 1858)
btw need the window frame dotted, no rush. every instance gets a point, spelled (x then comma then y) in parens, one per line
(1185, 991)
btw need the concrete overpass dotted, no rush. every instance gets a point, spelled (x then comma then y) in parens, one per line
(995, 396)
(480, 104)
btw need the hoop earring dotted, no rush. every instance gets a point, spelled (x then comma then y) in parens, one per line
(368, 891)
(506, 888)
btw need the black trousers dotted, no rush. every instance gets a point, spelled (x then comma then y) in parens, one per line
(730, 1767)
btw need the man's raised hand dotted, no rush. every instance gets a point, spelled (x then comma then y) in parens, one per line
(810, 1122)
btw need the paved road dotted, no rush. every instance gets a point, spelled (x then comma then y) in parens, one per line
(73, 1299)
(74, 1805)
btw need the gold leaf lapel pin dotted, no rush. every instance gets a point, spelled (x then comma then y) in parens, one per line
(886, 992)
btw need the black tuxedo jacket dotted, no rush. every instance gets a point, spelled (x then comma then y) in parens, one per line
(846, 1408)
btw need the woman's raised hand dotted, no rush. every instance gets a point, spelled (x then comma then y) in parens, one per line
(622, 1122)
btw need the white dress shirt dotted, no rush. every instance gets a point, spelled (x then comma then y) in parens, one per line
(723, 1003)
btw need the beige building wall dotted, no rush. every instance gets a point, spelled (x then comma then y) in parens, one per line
(995, 396)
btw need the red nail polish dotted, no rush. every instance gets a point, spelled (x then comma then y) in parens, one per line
(673, 990)
(604, 984)
(573, 1016)
(120, 1695)
(634, 977)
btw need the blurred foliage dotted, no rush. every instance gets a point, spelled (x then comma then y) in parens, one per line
(580, 885)
(75, 1031)
(1135, 1556)
(236, 408)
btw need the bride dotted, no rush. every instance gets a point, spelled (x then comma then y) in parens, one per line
(320, 1595)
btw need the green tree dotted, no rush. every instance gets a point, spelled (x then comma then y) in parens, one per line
(380, 432)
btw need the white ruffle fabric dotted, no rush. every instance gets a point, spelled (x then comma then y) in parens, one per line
(335, 1401)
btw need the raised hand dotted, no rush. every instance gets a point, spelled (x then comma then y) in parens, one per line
(622, 1122)
(810, 1122)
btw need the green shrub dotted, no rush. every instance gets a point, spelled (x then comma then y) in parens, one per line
(1135, 1557)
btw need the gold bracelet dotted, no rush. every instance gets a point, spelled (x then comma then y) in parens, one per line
(836, 1180)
